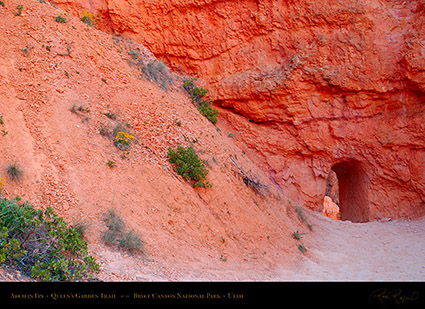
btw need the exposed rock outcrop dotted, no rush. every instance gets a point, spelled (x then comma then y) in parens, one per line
(308, 85)
(330, 209)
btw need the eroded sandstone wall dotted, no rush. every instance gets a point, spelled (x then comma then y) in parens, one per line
(306, 84)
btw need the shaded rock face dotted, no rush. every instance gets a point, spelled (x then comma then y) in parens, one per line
(310, 87)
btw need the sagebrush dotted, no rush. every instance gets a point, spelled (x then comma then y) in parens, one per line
(116, 234)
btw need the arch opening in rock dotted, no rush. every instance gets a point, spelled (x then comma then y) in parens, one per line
(346, 191)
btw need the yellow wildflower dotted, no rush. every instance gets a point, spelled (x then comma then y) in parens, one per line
(123, 140)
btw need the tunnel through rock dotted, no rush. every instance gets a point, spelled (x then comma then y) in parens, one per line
(346, 192)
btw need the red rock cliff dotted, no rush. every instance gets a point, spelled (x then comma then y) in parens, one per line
(309, 86)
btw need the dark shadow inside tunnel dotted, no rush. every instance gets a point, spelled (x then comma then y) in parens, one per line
(349, 191)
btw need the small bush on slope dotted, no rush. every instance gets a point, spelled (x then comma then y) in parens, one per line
(197, 94)
(159, 72)
(40, 244)
(154, 71)
(189, 166)
(14, 172)
(115, 235)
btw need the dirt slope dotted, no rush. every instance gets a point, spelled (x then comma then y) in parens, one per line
(227, 232)
(46, 68)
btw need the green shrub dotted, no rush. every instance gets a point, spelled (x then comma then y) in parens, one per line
(302, 217)
(298, 235)
(302, 248)
(41, 245)
(189, 166)
(110, 163)
(197, 95)
(206, 110)
(195, 92)
(60, 19)
(300, 214)
(19, 9)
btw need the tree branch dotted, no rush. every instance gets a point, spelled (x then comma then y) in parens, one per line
(69, 50)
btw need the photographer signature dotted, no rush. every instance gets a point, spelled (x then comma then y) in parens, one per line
(396, 296)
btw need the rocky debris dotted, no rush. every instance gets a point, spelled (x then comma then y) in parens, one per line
(58, 111)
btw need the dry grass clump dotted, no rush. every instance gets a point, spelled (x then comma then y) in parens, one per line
(116, 234)
(14, 172)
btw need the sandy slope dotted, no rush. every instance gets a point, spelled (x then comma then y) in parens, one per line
(337, 251)
(63, 155)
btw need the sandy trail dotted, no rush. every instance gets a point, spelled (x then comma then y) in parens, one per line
(372, 251)
(337, 251)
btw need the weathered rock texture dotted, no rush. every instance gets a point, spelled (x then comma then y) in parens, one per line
(330, 209)
(308, 86)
